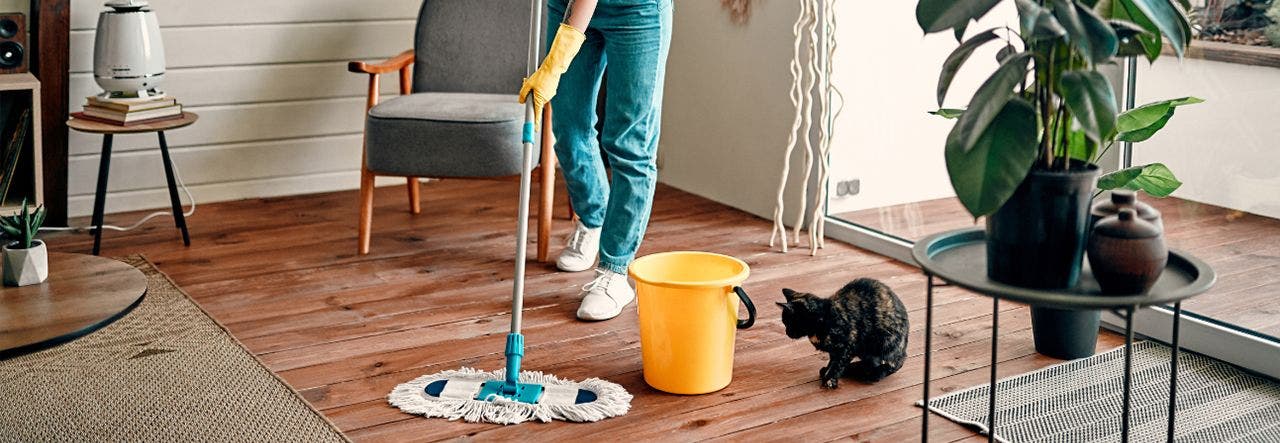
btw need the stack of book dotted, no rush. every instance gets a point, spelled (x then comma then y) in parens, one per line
(130, 111)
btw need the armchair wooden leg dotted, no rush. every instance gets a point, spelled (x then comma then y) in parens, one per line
(366, 209)
(548, 187)
(415, 196)
(571, 216)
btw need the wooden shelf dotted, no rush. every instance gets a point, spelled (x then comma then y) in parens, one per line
(29, 174)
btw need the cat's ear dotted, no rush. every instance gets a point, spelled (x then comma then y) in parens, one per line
(786, 307)
(789, 294)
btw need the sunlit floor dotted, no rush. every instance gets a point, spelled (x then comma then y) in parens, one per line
(1243, 248)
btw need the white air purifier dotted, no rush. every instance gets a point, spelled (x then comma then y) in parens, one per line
(128, 55)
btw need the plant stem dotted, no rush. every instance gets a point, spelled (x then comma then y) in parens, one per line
(1104, 151)
(1044, 86)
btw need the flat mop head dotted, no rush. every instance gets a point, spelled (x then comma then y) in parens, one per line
(476, 396)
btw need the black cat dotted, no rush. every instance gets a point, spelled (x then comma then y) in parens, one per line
(864, 321)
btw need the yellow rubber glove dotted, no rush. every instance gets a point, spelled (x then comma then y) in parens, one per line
(543, 83)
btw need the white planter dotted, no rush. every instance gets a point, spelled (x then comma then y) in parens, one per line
(24, 267)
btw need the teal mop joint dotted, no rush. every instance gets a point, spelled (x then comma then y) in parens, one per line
(511, 388)
(509, 396)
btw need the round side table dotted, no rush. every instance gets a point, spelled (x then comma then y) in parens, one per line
(960, 258)
(83, 294)
(108, 131)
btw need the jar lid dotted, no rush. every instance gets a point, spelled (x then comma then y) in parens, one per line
(1123, 197)
(1126, 224)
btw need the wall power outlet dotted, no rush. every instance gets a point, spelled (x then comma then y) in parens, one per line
(846, 188)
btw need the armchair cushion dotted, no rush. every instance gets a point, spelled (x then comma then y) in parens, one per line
(446, 134)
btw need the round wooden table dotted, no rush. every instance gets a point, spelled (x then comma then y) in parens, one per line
(83, 294)
(108, 132)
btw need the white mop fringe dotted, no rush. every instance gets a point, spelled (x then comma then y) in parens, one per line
(612, 400)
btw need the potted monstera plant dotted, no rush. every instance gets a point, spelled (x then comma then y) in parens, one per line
(1023, 152)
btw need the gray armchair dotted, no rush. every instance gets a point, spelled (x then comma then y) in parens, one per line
(457, 115)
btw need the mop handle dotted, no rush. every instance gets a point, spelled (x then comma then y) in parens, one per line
(526, 170)
(522, 217)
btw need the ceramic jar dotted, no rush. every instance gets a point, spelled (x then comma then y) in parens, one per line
(25, 266)
(1127, 254)
(1124, 198)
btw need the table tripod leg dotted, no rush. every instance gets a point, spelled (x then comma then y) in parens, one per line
(1173, 370)
(1128, 374)
(100, 197)
(991, 398)
(179, 218)
(928, 348)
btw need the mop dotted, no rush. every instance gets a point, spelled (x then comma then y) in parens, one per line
(509, 396)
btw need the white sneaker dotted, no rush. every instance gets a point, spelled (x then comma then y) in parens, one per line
(581, 250)
(604, 297)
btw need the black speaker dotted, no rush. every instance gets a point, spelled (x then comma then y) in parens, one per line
(13, 43)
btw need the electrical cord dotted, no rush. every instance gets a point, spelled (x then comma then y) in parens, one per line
(176, 176)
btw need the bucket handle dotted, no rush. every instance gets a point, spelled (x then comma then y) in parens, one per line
(751, 308)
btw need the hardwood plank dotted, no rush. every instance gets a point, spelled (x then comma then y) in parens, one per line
(895, 413)
(382, 372)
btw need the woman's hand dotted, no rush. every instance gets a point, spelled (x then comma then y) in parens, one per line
(543, 83)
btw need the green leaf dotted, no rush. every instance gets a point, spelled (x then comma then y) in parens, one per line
(1086, 31)
(1167, 17)
(1006, 51)
(1139, 124)
(938, 15)
(986, 176)
(1080, 147)
(1089, 97)
(948, 113)
(1103, 39)
(959, 31)
(1155, 179)
(1036, 22)
(1147, 43)
(957, 58)
(988, 101)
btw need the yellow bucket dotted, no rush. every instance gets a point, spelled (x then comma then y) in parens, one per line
(688, 306)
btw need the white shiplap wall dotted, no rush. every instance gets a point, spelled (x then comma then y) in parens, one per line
(279, 113)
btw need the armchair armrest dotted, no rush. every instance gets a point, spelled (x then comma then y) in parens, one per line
(402, 63)
(389, 65)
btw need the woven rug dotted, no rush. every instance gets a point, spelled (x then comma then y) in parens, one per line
(1080, 401)
(164, 372)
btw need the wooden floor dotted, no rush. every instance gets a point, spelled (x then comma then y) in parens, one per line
(343, 329)
(1243, 248)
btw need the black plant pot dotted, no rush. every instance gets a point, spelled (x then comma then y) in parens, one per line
(1037, 240)
(1063, 333)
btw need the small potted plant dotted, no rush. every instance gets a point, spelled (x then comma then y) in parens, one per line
(26, 261)
(1023, 153)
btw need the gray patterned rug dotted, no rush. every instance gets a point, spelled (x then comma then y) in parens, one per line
(1080, 401)
(164, 372)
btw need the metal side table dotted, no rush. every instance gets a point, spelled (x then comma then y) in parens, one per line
(960, 258)
(108, 132)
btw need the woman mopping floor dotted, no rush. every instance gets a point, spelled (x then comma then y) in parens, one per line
(510, 395)
(631, 37)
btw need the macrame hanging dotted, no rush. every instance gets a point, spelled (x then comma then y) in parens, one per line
(807, 72)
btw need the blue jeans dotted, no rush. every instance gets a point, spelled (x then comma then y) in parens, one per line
(631, 37)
